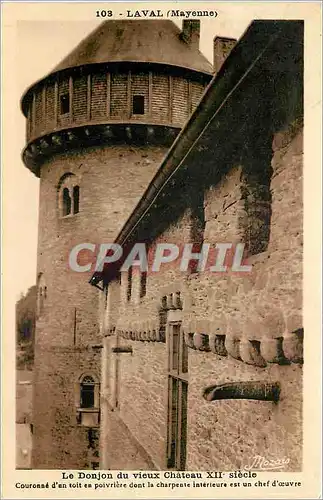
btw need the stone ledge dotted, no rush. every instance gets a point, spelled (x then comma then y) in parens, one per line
(142, 335)
(283, 350)
(86, 135)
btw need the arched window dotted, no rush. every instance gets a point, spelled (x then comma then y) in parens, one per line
(87, 392)
(68, 190)
(66, 202)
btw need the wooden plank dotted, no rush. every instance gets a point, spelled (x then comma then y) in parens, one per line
(150, 93)
(129, 110)
(34, 114)
(108, 94)
(189, 100)
(44, 108)
(56, 103)
(170, 108)
(70, 91)
(88, 98)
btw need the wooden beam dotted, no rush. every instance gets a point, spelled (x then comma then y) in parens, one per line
(56, 103)
(170, 104)
(33, 114)
(70, 88)
(44, 107)
(129, 94)
(150, 93)
(108, 94)
(88, 98)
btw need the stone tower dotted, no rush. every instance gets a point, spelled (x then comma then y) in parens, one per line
(98, 127)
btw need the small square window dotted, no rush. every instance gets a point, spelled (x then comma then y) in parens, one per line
(65, 104)
(138, 105)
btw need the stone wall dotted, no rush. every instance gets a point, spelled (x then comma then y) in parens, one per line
(67, 323)
(257, 316)
(135, 390)
(59, 440)
(24, 380)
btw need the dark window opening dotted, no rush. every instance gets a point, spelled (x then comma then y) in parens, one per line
(76, 199)
(64, 104)
(87, 392)
(143, 284)
(256, 196)
(105, 296)
(177, 399)
(138, 105)
(66, 202)
(177, 424)
(129, 284)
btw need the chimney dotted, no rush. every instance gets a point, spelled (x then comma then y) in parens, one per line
(221, 49)
(191, 33)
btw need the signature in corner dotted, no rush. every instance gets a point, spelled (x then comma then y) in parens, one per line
(262, 463)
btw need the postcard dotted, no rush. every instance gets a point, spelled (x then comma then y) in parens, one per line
(161, 176)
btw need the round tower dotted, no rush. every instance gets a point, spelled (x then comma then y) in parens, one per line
(98, 127)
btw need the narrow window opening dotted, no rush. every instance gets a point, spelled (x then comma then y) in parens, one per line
(138, 105)
(177, 399)
(66, 202)
(129, 287)
(64, 104)
(76, 199)
(143, 284)
(106, 291)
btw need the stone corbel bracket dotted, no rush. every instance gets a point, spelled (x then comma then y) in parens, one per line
(258, 390)
(140, 333)
(285, 349)
(122, 349)
(173, 297)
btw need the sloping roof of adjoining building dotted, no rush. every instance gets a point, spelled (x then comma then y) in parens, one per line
(254, 82)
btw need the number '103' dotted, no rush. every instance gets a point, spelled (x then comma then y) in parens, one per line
(104, 13)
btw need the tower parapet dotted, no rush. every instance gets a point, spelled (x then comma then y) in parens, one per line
(116, 91)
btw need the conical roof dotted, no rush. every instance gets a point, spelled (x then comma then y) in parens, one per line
(154, 41)
(133, 41)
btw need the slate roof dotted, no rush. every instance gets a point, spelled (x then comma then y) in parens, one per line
(154, 41)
